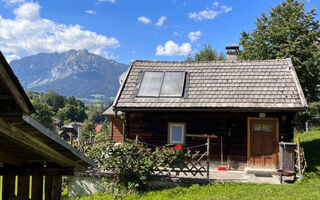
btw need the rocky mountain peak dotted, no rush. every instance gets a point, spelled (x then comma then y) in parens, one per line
(66, 72)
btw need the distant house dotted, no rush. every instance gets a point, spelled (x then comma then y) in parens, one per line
(71, 131)
(248, 105)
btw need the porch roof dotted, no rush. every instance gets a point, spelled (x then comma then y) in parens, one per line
(22, 139)
(219, 85)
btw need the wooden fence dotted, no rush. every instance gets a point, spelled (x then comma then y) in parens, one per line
(31, 187)
(35, 183)
(196, 164)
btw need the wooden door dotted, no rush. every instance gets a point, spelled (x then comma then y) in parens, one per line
(263, 143)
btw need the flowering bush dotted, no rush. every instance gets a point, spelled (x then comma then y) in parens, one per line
(132, 164)
(178, 146)
(173, 156)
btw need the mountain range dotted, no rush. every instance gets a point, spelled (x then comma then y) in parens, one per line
(89, 77)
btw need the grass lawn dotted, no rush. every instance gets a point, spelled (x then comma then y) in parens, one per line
(309, 188)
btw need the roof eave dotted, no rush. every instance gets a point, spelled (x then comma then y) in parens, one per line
(12, 82)
(297, 82)
(213, 109)
(46, 132)
(122, 85)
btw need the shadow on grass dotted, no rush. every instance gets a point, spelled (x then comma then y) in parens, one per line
(312, 154)
(161, 183)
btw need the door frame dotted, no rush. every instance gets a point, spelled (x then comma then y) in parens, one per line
(249, 137)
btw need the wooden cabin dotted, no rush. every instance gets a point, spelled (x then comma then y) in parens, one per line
(248, 105)
(33, 159)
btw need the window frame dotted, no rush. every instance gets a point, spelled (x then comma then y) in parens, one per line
(170, 124)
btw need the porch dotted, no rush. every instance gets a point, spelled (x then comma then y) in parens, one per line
(215, 175)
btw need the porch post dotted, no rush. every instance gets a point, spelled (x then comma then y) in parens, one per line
(208, 159)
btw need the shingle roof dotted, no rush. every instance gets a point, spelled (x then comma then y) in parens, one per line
(265, 84)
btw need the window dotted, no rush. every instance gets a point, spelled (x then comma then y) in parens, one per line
(151, 84)
(177, 133)
(162, 84)
(262, 127)
(173, 84)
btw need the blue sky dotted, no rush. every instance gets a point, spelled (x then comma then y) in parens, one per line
(127, 30)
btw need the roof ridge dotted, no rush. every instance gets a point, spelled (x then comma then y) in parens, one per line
(214, 61)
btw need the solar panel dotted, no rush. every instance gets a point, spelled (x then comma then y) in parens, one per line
(150, 84)
(162, 84)
(173, 84)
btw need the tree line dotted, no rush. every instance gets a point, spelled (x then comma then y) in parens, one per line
(52, 106)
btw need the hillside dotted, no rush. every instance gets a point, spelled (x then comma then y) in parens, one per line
(78, 73)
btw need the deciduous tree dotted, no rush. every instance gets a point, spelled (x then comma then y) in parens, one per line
(288, 32)
(206, 54)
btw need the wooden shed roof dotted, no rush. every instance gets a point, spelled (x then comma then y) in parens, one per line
(22, 139)
(219, 85)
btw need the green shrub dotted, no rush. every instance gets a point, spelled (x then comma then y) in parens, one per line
(311, 115)
(132, 164)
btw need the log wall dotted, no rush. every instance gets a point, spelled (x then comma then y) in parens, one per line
(152, 127)
(116, 130)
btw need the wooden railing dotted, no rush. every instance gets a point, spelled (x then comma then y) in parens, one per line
(196, 164)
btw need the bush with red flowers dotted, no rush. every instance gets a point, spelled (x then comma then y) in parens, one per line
(174, 156)
(178, 146)
(132, 164)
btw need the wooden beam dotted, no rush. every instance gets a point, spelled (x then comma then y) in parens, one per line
(5, 97)
(23, 187)
(55, 137)
(201, 136)
(56, 187)
(10, 114)
(37, 188)
(8, 187)
(6, 158)
(12, 87)
(53, 186)
(48, 188)
(34, 143)
(37, 171)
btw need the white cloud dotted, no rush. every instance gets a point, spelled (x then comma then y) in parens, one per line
(205, 14)
(226, 9)
(209, 13)
(194, 36)
(27, 11)
(90, 12)
(11, 2)
(161, 20)
(178, 33)
(144, 20)
(29, 34)
(111, 1)
(9, 58)
(170, 48)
